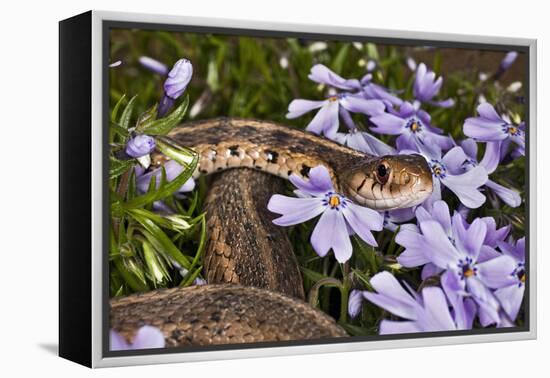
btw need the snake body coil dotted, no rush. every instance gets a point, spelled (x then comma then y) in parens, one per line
(245, 248)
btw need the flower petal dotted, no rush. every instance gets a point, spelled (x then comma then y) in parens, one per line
(491, 158)
(508, 196)
(414, 244)
(300, 107)
(465, 186)
(362, 220)
(488, 304)
(440, 213)
(510, 299)
(387, 123)
(360, 105)
(331, 232)
(355, 303)
(391, 296)
(148, 337)
(438, 248)
(436, 312)
(487, 111)
(294, 210)
(484, 130)
(318, 184)
(497, 273)
(326, 121)
(391, 327)
(324, 75)
(454, 158)
(117, 342)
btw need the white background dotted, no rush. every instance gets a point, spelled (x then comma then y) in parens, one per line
(29, 189)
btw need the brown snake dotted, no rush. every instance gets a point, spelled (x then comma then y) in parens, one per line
(255, 290)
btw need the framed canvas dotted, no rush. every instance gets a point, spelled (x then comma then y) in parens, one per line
(232, 189)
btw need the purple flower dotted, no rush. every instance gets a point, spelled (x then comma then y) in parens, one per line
(412, 125)
(339, 219)
(489, 162)
(147, 337)
(506, 63)
(176, 81)
(140, 145)
(326, 121)
(439, 212)
(427, 312)
(355, 303)
(394, 218)
(459, 257)
(490, 127)
(153, 65)
(359, 140)
(173, 170)
(322, 74)
(178, 78)
(426, 87)
(511, 295)
(464, 185)
(374, 91)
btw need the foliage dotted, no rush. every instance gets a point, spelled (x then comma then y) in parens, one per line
(257, 78)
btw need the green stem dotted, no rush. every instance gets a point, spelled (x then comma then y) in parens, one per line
(344, 291)
(313, 296)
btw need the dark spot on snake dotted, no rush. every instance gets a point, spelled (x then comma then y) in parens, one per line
(176, 334)
(220, 168)
(361, 185)
(246, 131)
(233, 150)
(203, 171)
(257, 167)
(305, 170)
(373, 185)
(272, 156)
(280, 135)
(289, 172)
(215, 316)
(194, 321)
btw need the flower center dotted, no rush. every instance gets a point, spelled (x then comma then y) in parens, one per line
(438, 169)
(511, 130)
(414, 125)
(467, 268)
(334, 200)
(333, 98)
(519, 272)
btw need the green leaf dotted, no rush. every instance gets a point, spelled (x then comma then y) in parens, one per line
(164, 125)
(340, 59)
(166, 189)
(372, 51)
(311, 274)
(118, 167)
(114, 112)
(124, 121)
(167, 245)
(156, 268)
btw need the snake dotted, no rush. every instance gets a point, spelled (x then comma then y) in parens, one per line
(255, 290)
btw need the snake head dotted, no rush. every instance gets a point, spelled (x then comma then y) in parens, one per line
(389, 182)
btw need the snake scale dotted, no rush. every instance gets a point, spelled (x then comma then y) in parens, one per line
(254, 291)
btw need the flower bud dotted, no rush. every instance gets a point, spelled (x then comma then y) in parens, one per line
(178, 78)
(140, 145)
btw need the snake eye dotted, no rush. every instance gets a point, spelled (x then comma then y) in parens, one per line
(382, 173)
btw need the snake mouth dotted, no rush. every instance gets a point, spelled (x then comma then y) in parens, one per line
(391, 182)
